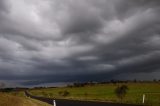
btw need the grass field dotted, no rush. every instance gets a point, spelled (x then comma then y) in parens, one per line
(105, 92)
(11, 100)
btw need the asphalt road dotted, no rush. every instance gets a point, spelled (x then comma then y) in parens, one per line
(63, 102)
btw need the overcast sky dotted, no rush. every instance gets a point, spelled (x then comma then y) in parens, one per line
(46, 41)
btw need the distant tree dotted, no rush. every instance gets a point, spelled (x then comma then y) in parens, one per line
(135, 81)
(113, 81)
(121, 91)
(7, 89)
(154, 80)
(79, 84)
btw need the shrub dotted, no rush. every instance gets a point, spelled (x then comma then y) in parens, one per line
(121, 91)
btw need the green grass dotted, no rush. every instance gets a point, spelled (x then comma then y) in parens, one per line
(11, 100)
(105, 92)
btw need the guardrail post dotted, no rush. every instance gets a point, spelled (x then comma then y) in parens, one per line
(54, 103)
(143, 98)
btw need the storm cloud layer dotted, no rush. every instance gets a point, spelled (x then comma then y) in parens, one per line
(45, 41)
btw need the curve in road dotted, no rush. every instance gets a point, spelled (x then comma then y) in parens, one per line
(63, 102)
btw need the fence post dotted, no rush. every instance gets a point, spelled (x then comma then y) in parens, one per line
(143, 98)
(54, 103)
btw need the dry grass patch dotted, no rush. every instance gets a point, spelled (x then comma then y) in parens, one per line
(10, 100)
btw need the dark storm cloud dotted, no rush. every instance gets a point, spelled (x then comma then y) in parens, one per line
(62, 41)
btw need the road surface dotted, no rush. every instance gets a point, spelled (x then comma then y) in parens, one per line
(63, 102)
